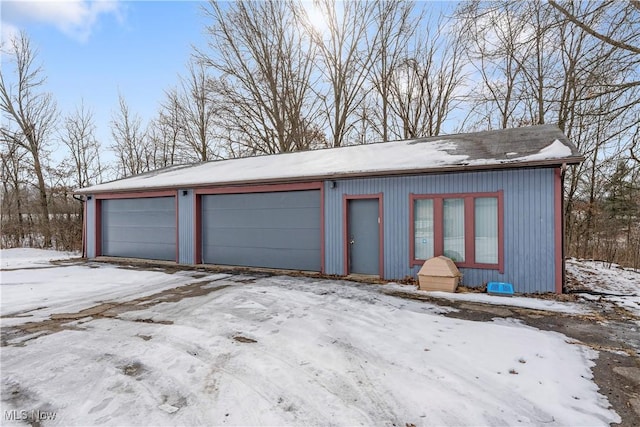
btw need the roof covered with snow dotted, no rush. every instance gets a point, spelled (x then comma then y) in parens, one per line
(543, 145)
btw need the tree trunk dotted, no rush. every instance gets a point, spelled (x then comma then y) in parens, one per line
(44, 206)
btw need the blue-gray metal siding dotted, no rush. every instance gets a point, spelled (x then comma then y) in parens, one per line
(186, 227)
(90, 215)
(529, 229)
(139, 228)
(275, 230)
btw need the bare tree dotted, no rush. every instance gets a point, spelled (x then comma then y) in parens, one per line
(347, 51)
(13, 183)
(598, 110)
(496, 47)
(130, 143)
(31, 114)
(265, 66)
(197, 112)
(425, 85)
(542, 54)
(78, 135)
(396, 25)
(165, 132)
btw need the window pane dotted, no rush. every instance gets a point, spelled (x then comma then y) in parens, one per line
(486, 226)
(423, 228)
(454, 229)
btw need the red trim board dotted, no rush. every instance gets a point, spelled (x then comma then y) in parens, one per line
(176, 194)
(197, 229)
(98, 227)
(261, 188)
(558, 229)
(322, 245)
(84, 227)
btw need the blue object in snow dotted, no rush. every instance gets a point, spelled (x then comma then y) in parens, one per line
(500, 288)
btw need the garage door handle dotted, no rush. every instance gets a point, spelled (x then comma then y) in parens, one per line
(351, 242)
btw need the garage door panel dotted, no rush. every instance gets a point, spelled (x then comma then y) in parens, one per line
(138, 204)
(144, 205)
(138, 218)
(141, 250)
(133, 234)
(275, 230)
(260, 257)
(265, 238)
(139, 228)
(284, 218)
(251, 201)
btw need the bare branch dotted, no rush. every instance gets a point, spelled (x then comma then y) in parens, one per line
(607, 39)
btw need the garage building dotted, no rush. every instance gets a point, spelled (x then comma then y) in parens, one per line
(491, 201)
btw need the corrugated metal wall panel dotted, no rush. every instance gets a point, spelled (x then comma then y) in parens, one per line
(333, 238)
(528, 228)
(186, 227)
(90, 206)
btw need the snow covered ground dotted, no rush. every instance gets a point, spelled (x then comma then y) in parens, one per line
(515, 301)
(31, 258)
(33, 289)
(614, 284)
(282, 351)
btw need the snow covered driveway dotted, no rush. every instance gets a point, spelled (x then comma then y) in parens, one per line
(285, 351)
